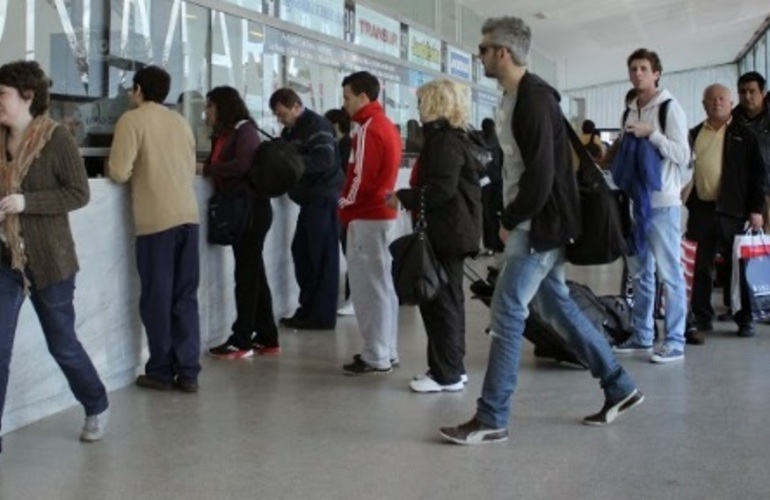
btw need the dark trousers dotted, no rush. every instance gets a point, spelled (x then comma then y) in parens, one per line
(169, 273)
(444, 320)
(56, 312)
(253, 300)
(713, 234)
(492, 203)
(316, 254)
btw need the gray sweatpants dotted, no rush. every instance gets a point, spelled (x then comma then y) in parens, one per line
(371, 289)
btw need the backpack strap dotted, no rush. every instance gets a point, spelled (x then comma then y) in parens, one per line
(663, 115)
(577, 146)
(263, 132)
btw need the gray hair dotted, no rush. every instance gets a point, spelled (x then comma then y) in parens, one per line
(717, 86)
(511, 33)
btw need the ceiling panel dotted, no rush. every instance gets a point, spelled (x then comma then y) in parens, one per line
(590, 39)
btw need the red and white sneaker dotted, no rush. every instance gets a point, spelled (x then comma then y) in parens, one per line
(267, 351)
(230, 351)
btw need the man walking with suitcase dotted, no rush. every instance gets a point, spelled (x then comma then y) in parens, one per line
(539, 219)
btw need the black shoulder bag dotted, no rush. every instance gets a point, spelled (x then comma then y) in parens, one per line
(601, 240)
(417, 274)
(229, 213)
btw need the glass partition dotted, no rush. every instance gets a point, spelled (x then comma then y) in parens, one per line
(239, 59)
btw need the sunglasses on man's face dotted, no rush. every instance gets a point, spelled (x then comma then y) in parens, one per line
(484, 48)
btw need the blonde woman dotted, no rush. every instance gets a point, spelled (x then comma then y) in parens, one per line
(446, 175)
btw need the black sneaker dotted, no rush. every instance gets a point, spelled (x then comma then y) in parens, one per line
(394, 362)
(694, 335)
(474, 432)
(147, 382)
(360, 367)
(613, 409)
(746, 331)
(231, 351)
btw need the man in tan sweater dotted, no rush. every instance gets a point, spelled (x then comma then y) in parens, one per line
(154, 149)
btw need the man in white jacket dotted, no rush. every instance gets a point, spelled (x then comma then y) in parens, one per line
(663, 237)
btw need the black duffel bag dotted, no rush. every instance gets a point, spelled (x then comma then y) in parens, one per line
(601, 239)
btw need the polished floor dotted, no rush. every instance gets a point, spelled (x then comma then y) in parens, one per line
(294, 427)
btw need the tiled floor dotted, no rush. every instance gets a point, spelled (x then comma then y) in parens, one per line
(294, 427)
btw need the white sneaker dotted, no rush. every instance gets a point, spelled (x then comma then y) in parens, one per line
(427, 384)
(95, 426)
(346, 309)
(463, 378)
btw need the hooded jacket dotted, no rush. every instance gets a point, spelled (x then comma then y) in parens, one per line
(673, 146)
(449, 174)
(375, 158)
(547, 190)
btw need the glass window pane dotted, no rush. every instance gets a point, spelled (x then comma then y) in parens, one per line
(750, 60)
(760, 56)
(319, 86)
(471, 23)
(239, 60)
(448, 21)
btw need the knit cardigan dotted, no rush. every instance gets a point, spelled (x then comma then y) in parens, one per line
(55, 185)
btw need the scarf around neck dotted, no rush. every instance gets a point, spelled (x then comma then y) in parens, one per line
(12, 174)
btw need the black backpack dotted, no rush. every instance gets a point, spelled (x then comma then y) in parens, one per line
(277, 166)
(602, 239)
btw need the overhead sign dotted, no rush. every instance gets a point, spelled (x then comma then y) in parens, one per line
(459, 63)
(324, 16)
(377, 31)
(289, 44)
(424, 49)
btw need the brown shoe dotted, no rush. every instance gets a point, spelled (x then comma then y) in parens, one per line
(147, 382)
(695, 337)
(189, 385)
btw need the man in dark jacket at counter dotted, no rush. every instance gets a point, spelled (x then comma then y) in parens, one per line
(541, 216)
(753, 111)
(315, 248)
(729, 190)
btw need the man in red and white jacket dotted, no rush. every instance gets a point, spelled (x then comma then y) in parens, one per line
(371, 175)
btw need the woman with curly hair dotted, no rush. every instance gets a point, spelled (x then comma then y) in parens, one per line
(446, 184)
(42, 179)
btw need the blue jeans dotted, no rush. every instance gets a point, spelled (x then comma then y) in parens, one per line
(55, 310)
(528, 276)
(664, 253)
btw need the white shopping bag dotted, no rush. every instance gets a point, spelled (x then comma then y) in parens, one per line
(745, 247)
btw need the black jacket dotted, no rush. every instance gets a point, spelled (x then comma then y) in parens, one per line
(314, 137)
(548, 194)
(344, 145)
(449, 173)
(742, 184)
(760, 126)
